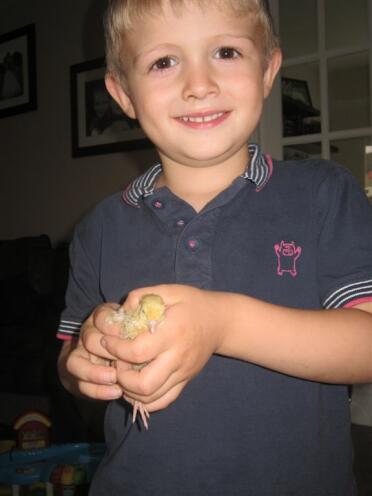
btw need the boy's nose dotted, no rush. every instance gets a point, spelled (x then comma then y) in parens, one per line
(199, 82)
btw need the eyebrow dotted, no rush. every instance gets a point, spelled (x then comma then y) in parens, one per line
(147, 53)
(246, 37)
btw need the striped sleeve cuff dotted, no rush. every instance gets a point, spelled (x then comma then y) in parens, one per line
(68, 329)
(350, 295)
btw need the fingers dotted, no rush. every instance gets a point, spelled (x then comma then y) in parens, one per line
(156, 378)
(169, 353)
(162, 402)
(94, 380)
(168, 398)
(99, 391)
(174, 354)
(101, 319)
(143, 348)
(84, 364)
(98, 324)
(167, 291)
(80, 366)
(90, 339)
(151, 382)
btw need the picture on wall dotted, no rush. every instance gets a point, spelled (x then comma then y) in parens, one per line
(299, 115)
(98, 124)
(18, 71)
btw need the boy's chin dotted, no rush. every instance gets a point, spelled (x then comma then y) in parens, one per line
(216, 157)
(197, 161)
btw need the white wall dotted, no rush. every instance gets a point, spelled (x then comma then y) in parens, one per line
(42, 188)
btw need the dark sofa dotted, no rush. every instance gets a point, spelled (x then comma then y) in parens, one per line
(33, 278)
(32, 284)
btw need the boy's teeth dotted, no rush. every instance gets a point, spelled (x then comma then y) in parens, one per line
(206, 118)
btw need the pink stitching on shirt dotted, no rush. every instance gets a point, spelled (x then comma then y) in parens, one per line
(358, 301)
(288, 254)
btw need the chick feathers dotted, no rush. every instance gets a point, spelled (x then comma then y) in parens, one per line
(145, 317)
(148, 314)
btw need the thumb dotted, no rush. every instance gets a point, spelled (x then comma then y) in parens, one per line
(168, 292)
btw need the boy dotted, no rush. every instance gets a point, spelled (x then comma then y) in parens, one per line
(246, 254)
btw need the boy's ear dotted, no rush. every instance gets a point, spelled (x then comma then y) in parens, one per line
(272, 70)
(120, 95)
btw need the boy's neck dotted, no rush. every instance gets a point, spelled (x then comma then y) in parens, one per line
(199, 185)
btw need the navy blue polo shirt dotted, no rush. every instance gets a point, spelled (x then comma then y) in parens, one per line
(294, 233)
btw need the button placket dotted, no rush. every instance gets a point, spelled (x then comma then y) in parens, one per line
(194, 250)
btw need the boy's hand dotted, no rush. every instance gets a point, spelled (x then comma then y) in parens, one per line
(84, 365)
(179, 348)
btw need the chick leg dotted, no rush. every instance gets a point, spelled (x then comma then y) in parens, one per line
(138, 407)
(148, 314)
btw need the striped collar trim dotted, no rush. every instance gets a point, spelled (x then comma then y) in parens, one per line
(259, 172)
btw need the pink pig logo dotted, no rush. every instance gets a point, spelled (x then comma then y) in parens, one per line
(288, 254)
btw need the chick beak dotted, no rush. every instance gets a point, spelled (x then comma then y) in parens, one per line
(152, 326)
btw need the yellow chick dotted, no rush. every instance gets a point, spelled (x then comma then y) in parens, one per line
(149, 313)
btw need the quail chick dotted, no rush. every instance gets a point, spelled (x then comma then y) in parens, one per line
(148, 314)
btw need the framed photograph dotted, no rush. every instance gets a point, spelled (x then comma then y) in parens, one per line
(297, 90)
(18, 71)
(299, 115)
(98, 124)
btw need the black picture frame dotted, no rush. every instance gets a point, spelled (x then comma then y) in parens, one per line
(299, 115)
(297, 90)
(98, 125)
(18, 92)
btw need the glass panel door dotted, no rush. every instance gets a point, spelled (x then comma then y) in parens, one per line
(326, 82)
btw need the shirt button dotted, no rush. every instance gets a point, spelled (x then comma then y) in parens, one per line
(180, 223)
(158, 204)
(193, 244)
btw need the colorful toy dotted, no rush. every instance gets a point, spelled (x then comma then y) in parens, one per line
(52, 471)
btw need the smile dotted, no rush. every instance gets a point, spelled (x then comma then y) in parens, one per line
(203, 120)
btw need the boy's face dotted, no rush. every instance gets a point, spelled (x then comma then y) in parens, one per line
(196, 82)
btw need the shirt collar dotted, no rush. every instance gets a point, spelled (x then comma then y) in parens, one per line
(259, 172)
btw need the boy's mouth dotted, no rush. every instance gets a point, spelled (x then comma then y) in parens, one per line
(203, 120)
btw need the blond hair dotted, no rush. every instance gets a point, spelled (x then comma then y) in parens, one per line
(122, 14)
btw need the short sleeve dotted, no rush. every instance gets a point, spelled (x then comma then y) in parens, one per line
(83, 290)
(344, 217)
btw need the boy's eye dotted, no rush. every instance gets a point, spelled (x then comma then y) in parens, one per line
(163, 63)
(227, 53)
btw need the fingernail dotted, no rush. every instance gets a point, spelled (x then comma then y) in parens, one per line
(115, 392)
(103, 343)
(109, 378)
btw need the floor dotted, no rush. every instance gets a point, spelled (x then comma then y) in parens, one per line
(362, 441)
